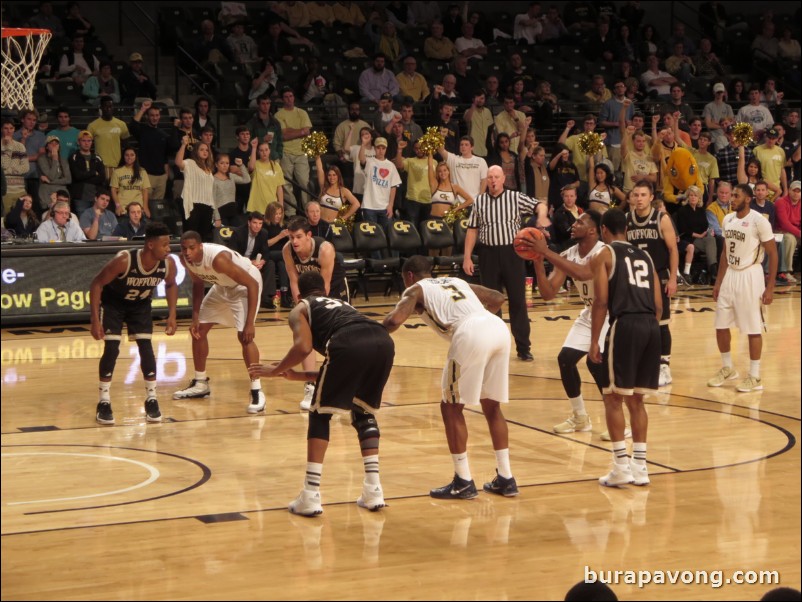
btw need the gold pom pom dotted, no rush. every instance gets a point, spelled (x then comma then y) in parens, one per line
(431, 141)
(590, 143)
(453, 215)
(315, 145)
(341, 221)
(742, 133)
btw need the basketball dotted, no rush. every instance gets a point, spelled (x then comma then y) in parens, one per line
(523, 251)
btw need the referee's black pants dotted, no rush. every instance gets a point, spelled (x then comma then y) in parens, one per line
(501, 269)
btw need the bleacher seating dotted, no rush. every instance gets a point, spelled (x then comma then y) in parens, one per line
(564, 65)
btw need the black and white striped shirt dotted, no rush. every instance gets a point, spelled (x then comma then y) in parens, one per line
(498, 218)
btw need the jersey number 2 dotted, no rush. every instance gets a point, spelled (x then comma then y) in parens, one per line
(638, 272)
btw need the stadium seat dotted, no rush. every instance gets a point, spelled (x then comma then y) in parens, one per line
(64, 92)
(437, 236)
(343, 243)
(369, 238)
(403, 238)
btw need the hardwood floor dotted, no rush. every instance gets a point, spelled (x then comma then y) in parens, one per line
(195, 507)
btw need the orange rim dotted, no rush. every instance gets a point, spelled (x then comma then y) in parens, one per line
(9, 32)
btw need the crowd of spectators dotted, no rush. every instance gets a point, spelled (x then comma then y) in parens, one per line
(453, 69)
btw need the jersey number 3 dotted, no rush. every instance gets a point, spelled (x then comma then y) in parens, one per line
(456, 295)
(638, 272)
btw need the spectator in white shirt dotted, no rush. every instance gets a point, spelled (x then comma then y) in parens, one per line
(467, 170)
(469, 46)
(655, 81)
(527, 26)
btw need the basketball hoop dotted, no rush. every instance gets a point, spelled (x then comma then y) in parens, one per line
(22, 51)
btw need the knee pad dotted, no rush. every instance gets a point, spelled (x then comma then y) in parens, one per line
(366, 428)
(569, 374)
(147, 359)
(109, 358)
(569, 358)
(319, 426)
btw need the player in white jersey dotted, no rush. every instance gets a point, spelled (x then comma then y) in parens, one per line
(574, 262)
(476, 371)
(233, 300)
(741, 289)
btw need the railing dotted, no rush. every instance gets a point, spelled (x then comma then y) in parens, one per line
(152, 40)
(182, 55)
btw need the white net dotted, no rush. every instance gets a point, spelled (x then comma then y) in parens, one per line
(22, 51)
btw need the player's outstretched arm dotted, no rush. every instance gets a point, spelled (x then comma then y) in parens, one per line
(600, 265)
(404, 308)
(114, 268)
(548, 285)
(771, 252)
(574, 270)
(223, 264)
(171, 292)
(658, 297)
(301, 347)
(292, 271)
(492, 300)
(670, 238)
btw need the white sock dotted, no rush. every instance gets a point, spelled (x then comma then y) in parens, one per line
(256, 385)
(578, 404)
(620, 452)
(754, 368)
(201, 375)
(313, 473)
(371, 469)
(104, 389)
(503, 463)
(150, 389)
(687, 269)
(726, 360)
(665, 359)
(639, 453)
(461, 466)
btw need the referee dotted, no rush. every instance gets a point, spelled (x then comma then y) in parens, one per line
(494, 222)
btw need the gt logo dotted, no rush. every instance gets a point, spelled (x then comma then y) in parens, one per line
(336, 230)
(401, 227)
(226, 232)
(367, 227)
(434, 225)
(463, 223)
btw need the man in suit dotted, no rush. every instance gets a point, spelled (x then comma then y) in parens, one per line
(250, 241)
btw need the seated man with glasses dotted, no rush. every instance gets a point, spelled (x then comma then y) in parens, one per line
(60, 228)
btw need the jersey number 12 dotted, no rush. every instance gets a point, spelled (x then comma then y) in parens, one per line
(638, 272)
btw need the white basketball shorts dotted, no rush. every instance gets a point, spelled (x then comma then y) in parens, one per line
(478, 365)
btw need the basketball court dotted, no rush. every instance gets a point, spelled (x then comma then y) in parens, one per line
(195, 507)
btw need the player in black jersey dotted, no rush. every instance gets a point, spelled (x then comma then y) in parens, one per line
(359, 356)
(307, 253)
(653, 231)
(120, 294)
(626, 283)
